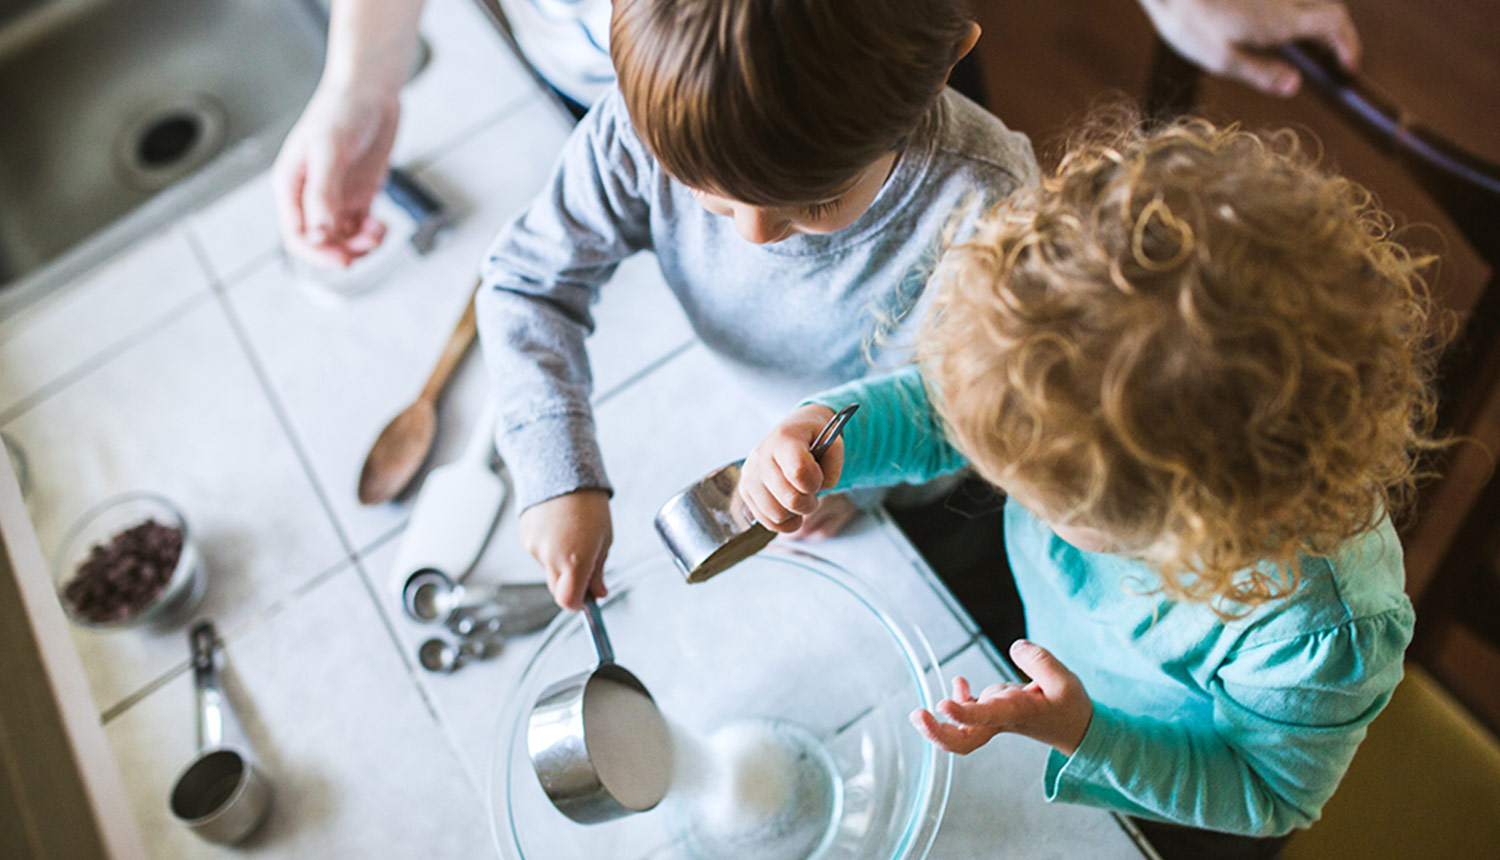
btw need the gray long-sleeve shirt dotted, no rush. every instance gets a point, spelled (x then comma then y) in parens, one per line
(797, 314)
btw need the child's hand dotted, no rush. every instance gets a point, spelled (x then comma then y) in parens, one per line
(569, 536)
(834, 512)
(780, 481)
(1054, 708)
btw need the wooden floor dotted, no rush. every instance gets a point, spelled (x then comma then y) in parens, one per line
(1046, 63)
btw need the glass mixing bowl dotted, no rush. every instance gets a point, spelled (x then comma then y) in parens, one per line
(786, 683)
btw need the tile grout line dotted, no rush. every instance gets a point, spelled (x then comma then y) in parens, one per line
(280, 604)
(657, 364)
(216, 292)
(353, 556)
(444, 729)
(257, 367)
(72, 376)
(924, 570)
(241, 273)
(425, 160)
(968, 643)
(131, 700)
(268, 389)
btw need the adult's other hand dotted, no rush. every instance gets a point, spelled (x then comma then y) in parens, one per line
(1231, 37)
(329, 170)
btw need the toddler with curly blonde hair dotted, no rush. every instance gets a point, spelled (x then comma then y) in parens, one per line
(1198, 367)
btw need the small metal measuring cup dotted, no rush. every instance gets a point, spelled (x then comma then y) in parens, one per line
(557, 737)
(707, 528)
(432, 597)
(220, 795)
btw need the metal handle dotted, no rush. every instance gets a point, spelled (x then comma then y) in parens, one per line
(211, 705)
(596, 630)
(831, 431)
(407, 193)
(820, 445)
(426, 210)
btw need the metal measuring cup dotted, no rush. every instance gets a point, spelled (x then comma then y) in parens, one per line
(220, 795)
(433, 597)
(707, 528)
(558, 738)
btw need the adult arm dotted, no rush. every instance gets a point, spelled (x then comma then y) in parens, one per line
(336, 157)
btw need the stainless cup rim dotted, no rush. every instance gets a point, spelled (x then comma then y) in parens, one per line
(707, 528)
(249, 803)
(557, 739)
(180, 785)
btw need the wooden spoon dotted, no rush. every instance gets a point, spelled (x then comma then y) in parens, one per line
(401, 447)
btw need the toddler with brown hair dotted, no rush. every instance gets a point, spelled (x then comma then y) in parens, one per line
(789, 162)
(1198, 367)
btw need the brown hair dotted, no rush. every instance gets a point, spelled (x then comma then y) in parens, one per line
(780, 102)
(1197, 342)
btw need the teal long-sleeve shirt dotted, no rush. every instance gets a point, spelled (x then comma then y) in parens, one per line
(1245, 725)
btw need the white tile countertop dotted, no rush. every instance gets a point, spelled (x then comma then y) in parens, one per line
(195, 365)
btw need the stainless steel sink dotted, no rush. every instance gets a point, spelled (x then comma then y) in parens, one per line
(117, 115)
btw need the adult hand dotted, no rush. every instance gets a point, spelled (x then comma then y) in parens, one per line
(1054, 708)
(329, 170)
(569, 536)
(1229, 37)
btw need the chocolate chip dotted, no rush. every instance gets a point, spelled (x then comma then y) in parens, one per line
(123, 576)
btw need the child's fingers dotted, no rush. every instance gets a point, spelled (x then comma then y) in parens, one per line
(833, 514)
(994, 690)
(796, 464)
(766, 509)
(1044, 669)
(961, 740)
(571, 584)
(596, 585)
(792, 499)
(996, 712)
(961, 689)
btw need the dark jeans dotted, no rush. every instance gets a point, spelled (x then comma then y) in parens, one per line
(962, 537)
(1175, 842)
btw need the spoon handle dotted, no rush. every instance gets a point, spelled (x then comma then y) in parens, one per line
(453, 351)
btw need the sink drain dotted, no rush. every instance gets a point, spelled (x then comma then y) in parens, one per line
(169, 140)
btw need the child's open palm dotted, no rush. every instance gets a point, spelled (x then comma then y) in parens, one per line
(1053, 708)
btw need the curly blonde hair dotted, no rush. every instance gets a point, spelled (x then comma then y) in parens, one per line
(1195, 341)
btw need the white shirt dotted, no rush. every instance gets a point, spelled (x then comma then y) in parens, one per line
(567, 41)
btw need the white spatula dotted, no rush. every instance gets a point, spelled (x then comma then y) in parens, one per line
(455, 510)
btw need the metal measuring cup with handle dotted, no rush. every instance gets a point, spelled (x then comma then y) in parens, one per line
(581, 725)
(220, 795)
(707, 528)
